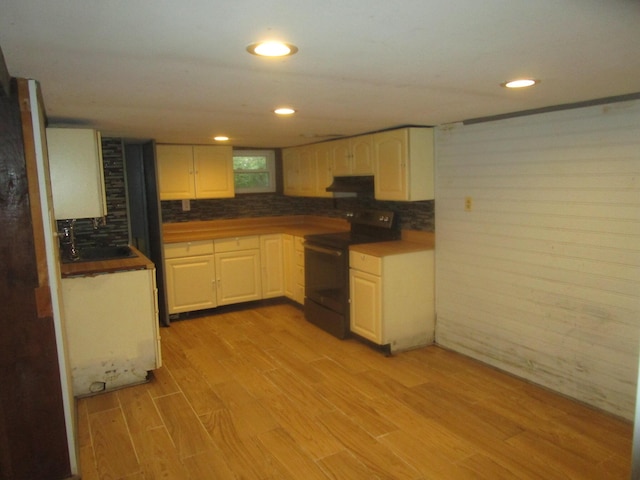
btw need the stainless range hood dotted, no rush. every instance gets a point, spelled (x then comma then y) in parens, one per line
(352, 184)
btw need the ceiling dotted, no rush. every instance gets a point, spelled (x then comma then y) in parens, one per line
(179, 72)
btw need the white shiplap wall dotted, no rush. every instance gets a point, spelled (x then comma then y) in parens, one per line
(541, 277)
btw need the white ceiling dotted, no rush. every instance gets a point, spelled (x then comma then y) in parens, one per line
(177, 71)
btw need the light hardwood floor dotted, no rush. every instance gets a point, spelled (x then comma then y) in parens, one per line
(262, 394)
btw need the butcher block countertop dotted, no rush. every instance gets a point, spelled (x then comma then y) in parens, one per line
(106, 266)
(298, 225)
(412, 241)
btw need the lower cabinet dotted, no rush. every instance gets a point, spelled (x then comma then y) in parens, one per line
(288, 265)
(272, 262)
(293, 261)
(238, 272)
(211, 273)
(111, 325)
(190, 276)
(392, 298)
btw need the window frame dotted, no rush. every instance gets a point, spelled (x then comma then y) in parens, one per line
(270, 155)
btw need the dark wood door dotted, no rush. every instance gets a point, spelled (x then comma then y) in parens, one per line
(33, 441)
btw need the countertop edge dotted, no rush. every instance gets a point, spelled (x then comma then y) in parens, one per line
(87, 269)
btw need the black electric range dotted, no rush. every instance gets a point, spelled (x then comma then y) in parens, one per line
(327, 267)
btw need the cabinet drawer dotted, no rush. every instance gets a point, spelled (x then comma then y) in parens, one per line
(365, 263)
(188, 249)
(237, 243)
(300, 258)
(298, 244)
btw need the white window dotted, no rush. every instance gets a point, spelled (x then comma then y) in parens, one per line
(254, 171)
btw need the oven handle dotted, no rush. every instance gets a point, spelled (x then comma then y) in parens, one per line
(328, 251)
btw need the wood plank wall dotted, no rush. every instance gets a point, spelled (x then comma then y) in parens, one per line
(540, 276)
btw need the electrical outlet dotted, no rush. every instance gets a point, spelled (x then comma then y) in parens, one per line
(468, 204)
(186, 205)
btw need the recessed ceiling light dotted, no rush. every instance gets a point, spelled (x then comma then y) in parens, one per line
(520, 83)
(221, 138)
(272, 49)
(284, 111)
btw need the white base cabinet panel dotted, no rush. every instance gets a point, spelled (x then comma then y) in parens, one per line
(111, 324)
(190, 276)
(272, 261)
(238, 272)
(392, 298)
(190, 283)
(238, 276)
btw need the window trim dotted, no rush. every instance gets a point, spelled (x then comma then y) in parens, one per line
(270, 154)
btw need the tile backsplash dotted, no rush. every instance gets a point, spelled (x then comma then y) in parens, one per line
(412, 215)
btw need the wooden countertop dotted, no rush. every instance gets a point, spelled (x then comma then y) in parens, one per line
(298, 225)
(412, 241)
(106, 266)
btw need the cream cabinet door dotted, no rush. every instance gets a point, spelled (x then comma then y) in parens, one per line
(298, 247)
(391, 165)
(77, 178)
(404, 164)
(272, 261)
(213, 167)
(299, 171)
(366, 305)
(190, 283)
(175, 172)
(238, 276)
(289, 265)
(341, 154)
(362, 155)
(352, 156)
(323, 169)
(290, 170)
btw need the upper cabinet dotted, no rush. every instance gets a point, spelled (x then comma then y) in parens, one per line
(77, 178)
(195, 171)
(298, 171)
(401, 161)
(403, 164)
(352, 156)
(307, 170)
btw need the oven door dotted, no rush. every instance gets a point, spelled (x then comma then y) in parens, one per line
(327, 276)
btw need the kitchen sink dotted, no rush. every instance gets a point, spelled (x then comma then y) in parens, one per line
(94, 254)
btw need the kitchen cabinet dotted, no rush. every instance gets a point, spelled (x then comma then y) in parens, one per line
(77, 175)
(293, 264)
(238, 273)
(195, 171)
(289, 265)
(111, 323)
(298, 165)
(392, 298)
(404, 164)
(323, 157)
(299, 284)
(272, 263)
(308, 170)
(352, 156)
(190, 276)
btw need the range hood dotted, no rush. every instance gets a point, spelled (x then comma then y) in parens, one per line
(352, 184)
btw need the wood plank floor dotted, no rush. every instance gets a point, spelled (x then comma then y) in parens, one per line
(262, 394)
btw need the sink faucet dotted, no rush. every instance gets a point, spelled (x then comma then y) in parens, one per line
(68, 240)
